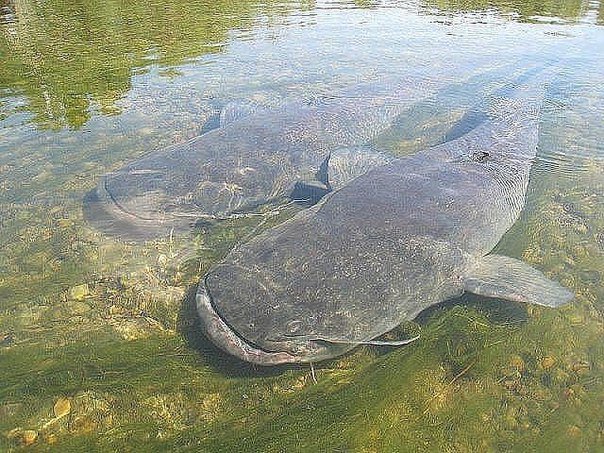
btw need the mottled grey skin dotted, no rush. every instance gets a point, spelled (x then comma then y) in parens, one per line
(391, 243)
(248, 162)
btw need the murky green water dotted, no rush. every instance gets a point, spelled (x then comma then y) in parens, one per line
(99, 343)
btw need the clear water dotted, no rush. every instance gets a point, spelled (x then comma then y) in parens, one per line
(109, 326)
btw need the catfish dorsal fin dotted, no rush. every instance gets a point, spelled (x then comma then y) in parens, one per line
(508, 278)
(236, 110)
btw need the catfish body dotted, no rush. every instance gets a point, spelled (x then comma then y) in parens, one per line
(253, 158)
(378, 251)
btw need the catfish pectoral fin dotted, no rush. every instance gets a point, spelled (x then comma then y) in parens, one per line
(507, 278)
(309, 191)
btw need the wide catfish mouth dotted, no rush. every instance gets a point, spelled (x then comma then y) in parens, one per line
(102, 212)
(223, 336)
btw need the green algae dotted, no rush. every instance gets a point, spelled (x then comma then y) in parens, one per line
(527, 10)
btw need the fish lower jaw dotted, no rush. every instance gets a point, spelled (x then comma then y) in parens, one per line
(217, 330)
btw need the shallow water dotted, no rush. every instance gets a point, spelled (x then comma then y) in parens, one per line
(109, 325)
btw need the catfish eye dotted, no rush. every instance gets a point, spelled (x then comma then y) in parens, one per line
(481, 156)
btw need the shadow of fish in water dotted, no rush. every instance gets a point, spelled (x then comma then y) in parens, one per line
(394, 241)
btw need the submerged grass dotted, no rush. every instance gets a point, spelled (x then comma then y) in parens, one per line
(485, 375)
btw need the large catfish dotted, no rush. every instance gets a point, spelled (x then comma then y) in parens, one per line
(378, 251)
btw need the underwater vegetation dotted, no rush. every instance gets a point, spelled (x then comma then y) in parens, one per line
(525, 11)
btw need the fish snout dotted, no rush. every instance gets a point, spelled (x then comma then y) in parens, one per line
(240, 315)
(216, 328)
